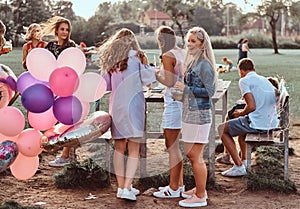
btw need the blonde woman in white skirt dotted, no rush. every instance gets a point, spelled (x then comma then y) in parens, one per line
(197, 90)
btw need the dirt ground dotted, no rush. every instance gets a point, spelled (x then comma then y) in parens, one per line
(231, 193)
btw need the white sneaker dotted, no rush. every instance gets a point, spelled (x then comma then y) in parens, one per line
(235, 171)
(128, 195)
(119, 192)
(167, 193)
(245, 163)
(191, 192)
(59, 162)
(134, 190)
(182, 188)
(194, 201)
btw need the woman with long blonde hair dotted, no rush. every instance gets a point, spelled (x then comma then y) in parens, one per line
(33, 37)
(125, 70)
(61, 28)
(198, 88)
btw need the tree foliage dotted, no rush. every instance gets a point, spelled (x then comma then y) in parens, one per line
(272, 10)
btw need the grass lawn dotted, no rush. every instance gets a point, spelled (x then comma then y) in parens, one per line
(285, 64)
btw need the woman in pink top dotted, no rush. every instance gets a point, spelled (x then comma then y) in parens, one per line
(172, 58)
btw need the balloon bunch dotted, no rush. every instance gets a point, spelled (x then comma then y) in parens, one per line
(52, 91)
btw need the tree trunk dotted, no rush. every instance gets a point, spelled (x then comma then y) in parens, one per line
(274, 39)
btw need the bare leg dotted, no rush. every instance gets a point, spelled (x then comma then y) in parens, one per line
(119, 164)
(65, 152)
(243, 147)
(195, 154)
(175, 158)
(132, 161)
(229, 143)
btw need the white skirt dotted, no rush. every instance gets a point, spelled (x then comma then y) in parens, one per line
(193, 133)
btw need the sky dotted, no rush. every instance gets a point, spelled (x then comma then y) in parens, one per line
(87, 8)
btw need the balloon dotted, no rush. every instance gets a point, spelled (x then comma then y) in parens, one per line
(37, 98)
(10, 138)
(40, 63)
(63, 81)
(8, 153)
(96, 125)
(5, 95)
(42, 121)
(29, 143)
(67, 110)
(92, 87)
(23, 167)
(12, 121)
(85, 110)
(74, 58)
(26, 80)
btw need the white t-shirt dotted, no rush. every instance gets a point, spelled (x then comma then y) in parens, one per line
(264, 117)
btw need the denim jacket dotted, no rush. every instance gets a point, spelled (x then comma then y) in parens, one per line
(199, 85)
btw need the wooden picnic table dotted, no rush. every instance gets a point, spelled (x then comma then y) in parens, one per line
(221, 94)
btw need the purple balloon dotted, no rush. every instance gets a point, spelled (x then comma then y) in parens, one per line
(67, 110)
(26, 80)
(8, 153)
(37, 98)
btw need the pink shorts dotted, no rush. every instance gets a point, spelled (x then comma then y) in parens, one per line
(194, 133)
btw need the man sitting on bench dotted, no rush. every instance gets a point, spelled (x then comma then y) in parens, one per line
(259, 114)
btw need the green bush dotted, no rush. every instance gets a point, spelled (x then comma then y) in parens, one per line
(268, 174)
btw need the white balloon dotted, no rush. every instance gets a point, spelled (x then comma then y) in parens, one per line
(92, 87)
(74, 58)
(40, 63)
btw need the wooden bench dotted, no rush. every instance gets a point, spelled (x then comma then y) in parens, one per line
(275, 137)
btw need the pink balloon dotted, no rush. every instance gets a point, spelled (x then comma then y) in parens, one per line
(10, 138)
(85, 110)
(74, 58)
(63, 81)
(5, 95)
(23, 167)
(42, 121)
(92, 87)
(40, 63)
(26, 80)
(12, 121)
(29, 142)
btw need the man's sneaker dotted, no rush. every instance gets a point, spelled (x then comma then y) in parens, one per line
(190, 193)
(167, 192)
(182, 188)
(128, 195)
(135, 191)
(245, 163)
(224, 158)
(119, 192)
(59, 162)
(235, 171)
(194, 201)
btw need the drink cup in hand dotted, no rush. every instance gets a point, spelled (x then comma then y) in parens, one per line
(176, 94)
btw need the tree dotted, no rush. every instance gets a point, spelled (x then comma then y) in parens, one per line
(179, 12)
(295, 16)
(64, 9)
(272, 9)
